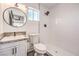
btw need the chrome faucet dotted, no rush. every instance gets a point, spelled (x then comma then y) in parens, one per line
(14, 33)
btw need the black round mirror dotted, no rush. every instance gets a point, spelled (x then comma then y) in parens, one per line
(14, 17)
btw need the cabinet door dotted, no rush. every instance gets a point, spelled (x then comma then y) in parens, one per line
(20, 50)
(7, 51)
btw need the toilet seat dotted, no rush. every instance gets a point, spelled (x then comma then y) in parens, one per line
(40, 48)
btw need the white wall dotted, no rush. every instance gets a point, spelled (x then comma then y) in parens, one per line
(65, 27)
(46, 33)
(44, 19)
(1, 21)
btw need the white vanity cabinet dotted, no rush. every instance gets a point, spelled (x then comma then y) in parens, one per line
(18, 48)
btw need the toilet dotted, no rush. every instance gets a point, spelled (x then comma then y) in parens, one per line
(39, 48)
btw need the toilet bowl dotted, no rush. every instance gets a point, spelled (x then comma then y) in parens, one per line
(38, 47)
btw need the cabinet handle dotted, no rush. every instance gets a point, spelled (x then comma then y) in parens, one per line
(13, 51)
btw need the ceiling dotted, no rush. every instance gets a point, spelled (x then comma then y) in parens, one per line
(48, 4)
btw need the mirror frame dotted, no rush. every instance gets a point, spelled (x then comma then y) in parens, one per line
(19, 10)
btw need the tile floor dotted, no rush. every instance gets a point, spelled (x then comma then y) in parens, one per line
(31, 53)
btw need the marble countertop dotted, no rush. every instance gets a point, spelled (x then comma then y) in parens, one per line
(13, 39)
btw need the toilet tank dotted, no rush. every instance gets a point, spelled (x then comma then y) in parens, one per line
(34, 38)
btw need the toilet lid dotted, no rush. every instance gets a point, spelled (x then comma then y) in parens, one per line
(40, 46)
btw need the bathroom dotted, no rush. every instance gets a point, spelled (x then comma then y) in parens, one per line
(53, 26)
